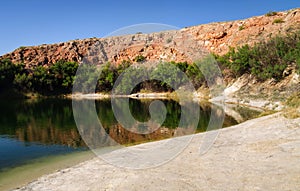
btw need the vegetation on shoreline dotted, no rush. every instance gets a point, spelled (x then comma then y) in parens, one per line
(55, 79)
(264, 60)
(124, 77)
(58, 78)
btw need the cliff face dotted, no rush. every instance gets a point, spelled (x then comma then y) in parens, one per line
(181, 45)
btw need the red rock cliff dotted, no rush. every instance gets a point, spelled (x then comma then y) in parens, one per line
(168, 45)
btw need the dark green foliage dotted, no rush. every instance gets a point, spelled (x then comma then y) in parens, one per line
(40, 79)
(181, 65)
(56, 79)
(271, 13)
(298, 65)
(240, 60)
(109, 74)
(241, 27)
(23, 81)
(86, 78)
(294, 55)
(169, 40)
(130, 78)
(209, 69)
(266, 59)
(8, 70)
(278, 21)
(63, 74)
(107, 78)
(139, 58)
(170, 75)
(122, 67)
(195, 75)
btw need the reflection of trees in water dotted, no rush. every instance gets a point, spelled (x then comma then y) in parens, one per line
(51, 121)
(49, 135)
(140, 111)
(48, 121)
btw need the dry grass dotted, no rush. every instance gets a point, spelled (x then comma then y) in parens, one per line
(291, 113)
(266, 112)
(292, 109)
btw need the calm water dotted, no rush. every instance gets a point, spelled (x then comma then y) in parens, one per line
(31, 129)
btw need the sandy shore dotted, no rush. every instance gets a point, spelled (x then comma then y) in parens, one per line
(20, 175)
(260, 154)
(163, 95)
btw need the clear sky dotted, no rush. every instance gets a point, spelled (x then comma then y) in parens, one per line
(34, 22)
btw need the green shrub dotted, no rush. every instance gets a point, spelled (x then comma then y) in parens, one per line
(298, 65)
(107, 78)
(139, 58)
(169, 40)
(241, 27)
(127, 83)
(55, 79)
(276, 21)
(271, 13)
(265, 60)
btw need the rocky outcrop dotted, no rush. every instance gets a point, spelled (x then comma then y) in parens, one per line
(181, 45)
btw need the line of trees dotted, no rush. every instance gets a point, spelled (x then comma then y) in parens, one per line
(55, 79)
(58, 78)
(171, 72)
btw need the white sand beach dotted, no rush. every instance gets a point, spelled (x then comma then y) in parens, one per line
(259, 154)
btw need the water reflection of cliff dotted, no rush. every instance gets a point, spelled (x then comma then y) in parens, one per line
(49, 135)
(51, 121)
(123, 136)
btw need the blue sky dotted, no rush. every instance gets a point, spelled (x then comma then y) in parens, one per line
(34, 22)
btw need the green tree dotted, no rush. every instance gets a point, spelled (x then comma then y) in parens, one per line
(169, 75)
(128, 81)
(195, 75)
(107, 78)
(7, 72)
(86, 78)
(62, 75)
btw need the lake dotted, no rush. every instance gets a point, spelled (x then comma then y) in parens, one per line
(39, 128)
